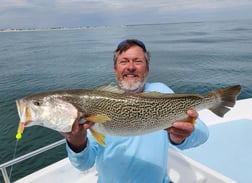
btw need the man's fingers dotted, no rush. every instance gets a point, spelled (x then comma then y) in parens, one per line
(76, 126)
(80, 124)
(183, 126)
(192, 113)
(87, 124)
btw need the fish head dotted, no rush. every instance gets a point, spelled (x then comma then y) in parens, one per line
(50, 111)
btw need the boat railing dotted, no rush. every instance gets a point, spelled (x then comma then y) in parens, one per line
(4, 166)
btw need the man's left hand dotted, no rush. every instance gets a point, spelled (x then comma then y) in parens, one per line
(182, 129)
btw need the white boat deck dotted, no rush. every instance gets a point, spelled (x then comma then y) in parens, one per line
(228, 149)
(226, 157)
(181, 170)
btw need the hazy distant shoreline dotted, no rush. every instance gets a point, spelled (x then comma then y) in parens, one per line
(56, 28)
(47, 29)
(103, 26)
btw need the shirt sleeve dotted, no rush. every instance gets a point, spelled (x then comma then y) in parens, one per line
(86, 158)
(198, 137)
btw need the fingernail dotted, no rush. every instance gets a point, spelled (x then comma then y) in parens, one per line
(189, 112)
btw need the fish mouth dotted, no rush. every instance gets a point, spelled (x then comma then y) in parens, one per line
(26, 123)
(23, 112)
(20, 107)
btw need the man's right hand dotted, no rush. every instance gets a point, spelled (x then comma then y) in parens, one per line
(77, 138)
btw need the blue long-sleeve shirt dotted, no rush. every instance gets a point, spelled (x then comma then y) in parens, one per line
(136, 159)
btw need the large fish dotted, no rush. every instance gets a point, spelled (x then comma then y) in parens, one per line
(116, 113)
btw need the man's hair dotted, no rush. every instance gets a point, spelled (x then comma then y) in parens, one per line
(128, 43)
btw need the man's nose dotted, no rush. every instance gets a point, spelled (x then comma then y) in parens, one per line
(131, 66)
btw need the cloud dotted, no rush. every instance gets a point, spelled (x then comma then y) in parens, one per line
(56, 13)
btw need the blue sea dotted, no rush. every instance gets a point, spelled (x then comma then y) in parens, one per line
(193, 57)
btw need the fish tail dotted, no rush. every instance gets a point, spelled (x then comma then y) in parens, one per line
(226, 98)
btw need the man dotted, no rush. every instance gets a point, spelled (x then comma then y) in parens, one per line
(137, 159)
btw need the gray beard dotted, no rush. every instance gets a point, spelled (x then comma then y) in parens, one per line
(132, 87)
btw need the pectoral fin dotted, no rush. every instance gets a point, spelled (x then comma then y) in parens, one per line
(99, 137)
(98, 118)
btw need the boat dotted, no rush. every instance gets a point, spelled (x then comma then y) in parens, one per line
(224, 158)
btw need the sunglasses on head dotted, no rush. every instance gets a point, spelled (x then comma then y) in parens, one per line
(136, 41)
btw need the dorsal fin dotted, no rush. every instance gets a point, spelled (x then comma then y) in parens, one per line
(110, 88)
(151, 94)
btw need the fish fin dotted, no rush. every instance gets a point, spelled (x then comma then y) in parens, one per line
(227, 97)
(99, 137)
(110, 88)
(150, 94)
(219, 110)
(98, 118)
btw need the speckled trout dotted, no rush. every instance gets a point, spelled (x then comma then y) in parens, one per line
(117, 113)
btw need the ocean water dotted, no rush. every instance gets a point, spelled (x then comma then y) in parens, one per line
(189, 57)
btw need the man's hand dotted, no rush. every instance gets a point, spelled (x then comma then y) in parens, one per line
(182, 129)
(77, 138)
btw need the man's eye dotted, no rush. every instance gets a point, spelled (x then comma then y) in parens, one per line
(139, 61)
(123, 61)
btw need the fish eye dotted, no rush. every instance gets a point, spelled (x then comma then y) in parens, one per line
(37, 103)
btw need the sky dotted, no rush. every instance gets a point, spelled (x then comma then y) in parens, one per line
(77, 13)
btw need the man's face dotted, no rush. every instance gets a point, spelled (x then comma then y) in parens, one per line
(131, 69)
